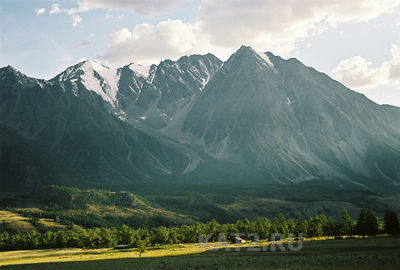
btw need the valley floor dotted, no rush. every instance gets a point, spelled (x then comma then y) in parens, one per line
(360, 253)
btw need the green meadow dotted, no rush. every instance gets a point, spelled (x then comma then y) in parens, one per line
(353, 253)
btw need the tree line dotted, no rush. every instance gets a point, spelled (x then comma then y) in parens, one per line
(314, 226)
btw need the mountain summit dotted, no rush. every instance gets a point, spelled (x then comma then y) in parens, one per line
(293, 124)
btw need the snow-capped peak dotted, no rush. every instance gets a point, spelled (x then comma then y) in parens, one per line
(13, 68)
(93, 65)
(100, 79)
(140, 70)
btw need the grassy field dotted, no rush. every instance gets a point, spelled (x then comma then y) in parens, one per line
(21, 223)
(16, 221)
(368, 253)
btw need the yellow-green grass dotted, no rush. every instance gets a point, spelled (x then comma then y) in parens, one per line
(62, 255)
(51, 223)
(144, 211)
(364, 253)
(22, 224)
(16, 221)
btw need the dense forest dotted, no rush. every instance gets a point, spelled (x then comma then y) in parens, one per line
(314, 226)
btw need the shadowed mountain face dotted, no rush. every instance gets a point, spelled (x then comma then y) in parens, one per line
(26, 165)
(255, 117)
(97, 147)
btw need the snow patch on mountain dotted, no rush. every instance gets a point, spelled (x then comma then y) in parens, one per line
(140, 70)
(41, 84)
(101, 79)
(152, 72)
(94, 65)
(205, 80)
(266, 59)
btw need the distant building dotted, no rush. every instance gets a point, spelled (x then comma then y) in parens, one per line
(238, 239)
(122, 246)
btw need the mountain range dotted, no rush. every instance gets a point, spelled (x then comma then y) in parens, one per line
(254, 119)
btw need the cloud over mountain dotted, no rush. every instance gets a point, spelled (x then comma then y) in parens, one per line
(222, 26)
(357, 73)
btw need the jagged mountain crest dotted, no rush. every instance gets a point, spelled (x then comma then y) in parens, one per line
(276, 120)
(140, 70)
(135, 92)
(93, 76)
(12, 76)
(200, 67)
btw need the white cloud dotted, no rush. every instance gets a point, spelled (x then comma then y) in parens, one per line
(357, 73)
(395, 63)
(278, 25)
(149, 43)
(140, 7)
(76, 20)
(55, 8)
(222, 26)
(145, 9)
(384, 94)
(39, 11)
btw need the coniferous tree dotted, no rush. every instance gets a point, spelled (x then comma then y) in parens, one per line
(371, 223)
(281, 225)
(291, 225)
(391, 222)
(361, 223)
(301, 225)
(315, 228)
(332, 227)
(324, 224)
(346, 223)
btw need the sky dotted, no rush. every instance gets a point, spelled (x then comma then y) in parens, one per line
(356, 42)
